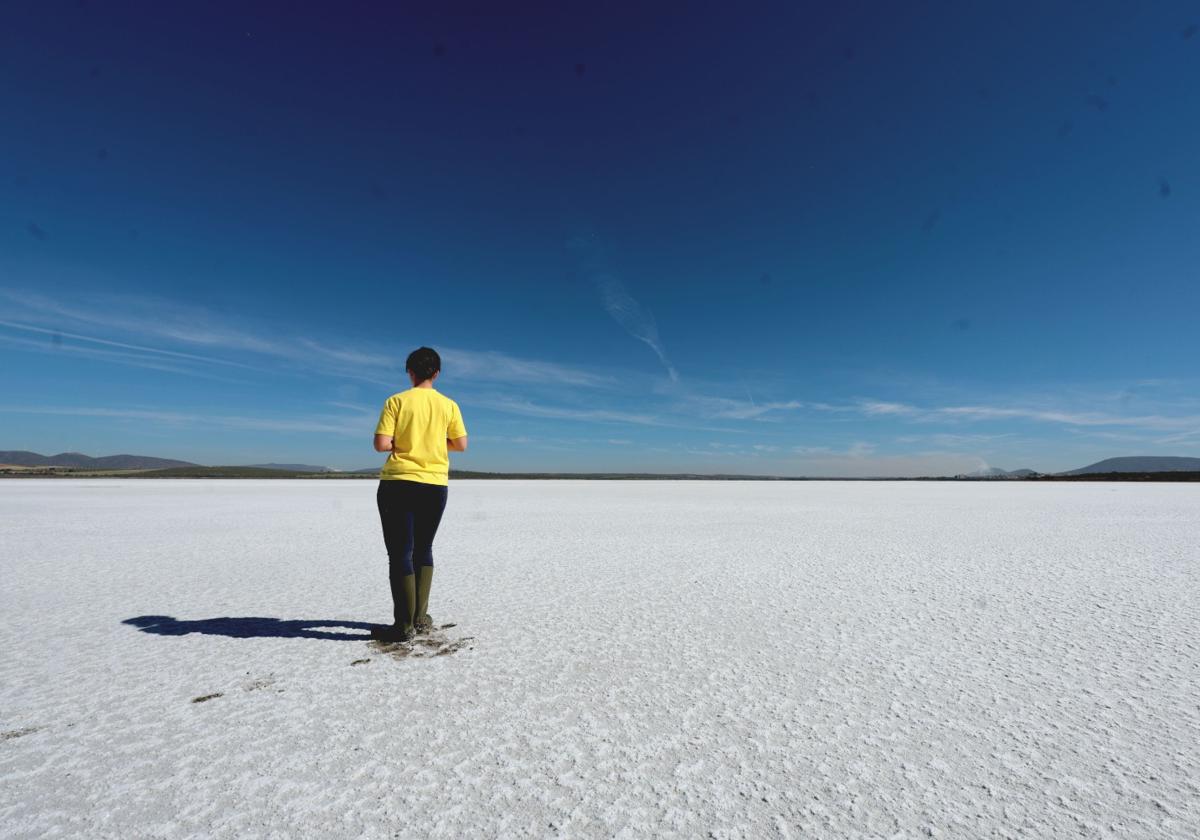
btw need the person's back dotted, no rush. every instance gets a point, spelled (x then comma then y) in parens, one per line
(419, 421)
(418, 428)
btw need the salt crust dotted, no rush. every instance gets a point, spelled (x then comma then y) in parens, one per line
(631, 659)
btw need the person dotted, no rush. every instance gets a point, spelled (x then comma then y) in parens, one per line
(418, 428)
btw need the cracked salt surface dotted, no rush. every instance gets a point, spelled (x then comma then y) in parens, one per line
(630, 659)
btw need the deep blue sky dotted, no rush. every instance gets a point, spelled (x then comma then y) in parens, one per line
(778, 238)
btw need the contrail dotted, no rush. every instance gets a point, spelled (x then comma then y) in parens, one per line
(749, 396)
(638, 322)
(624, 309)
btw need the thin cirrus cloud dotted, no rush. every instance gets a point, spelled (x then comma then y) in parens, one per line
(122, 357)
(620, 305)
(950, 440)
(737, 410)
(857, 450)
(333, 424)
(876, 408)
(136, 348)
(144, 320)
(151, 319)
(207, 347)
(141, 316)
(1190, 436)
(490, 364)
(148, 319)
(531, 409)
(631, 315)
(301, 356)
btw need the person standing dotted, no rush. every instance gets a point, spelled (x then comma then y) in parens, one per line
(419, 428)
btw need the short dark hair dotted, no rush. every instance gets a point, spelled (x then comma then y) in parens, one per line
(424, 362)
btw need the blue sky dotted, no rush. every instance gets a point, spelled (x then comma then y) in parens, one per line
(777, 239)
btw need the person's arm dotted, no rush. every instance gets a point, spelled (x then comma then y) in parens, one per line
(385, 430)
(456, 432)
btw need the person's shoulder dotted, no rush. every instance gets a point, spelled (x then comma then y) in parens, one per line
(449, 401)
(395, 398)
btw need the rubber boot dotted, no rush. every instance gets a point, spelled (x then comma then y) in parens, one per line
(404, 598)
(404, 616)
(422, 623)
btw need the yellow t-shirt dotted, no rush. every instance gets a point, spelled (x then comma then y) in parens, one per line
(419, 420)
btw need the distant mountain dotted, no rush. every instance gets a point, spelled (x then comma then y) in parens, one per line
(305, 468)
(78, 460)
(226, 472)
(1138, 464)
(996, 472)
(987, 472)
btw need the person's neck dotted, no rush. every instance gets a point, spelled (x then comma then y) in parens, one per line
(428, 383)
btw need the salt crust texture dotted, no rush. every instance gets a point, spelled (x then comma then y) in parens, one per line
(637, 659)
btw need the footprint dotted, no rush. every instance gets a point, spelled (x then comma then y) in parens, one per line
(423, 647)
(397, 650)
(453, 647)
(18, 733)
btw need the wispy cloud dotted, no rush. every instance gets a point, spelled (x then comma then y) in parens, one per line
(155, 334)
(631, 315)
(58, 335)
(1190, 436)
(357, 407)
(337, 425)
(621, 306)
(144, 316)
(991, 412)
(531, 409)
(862, 461)
(876, 408)
(128, 358)
(951, 440)
(150, 319)
(491, 365)
(858, 449)
(722, 407)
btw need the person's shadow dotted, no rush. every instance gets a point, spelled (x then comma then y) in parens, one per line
(251, 627)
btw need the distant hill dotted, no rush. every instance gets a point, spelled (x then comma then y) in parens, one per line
(304, 468)
(1138, 464)
(1169, 475)
(996, 472)
(605, 476)
(988, 472)
(77, 460)
(219, 472)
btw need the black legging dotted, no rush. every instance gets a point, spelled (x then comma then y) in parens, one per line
(410, 512)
